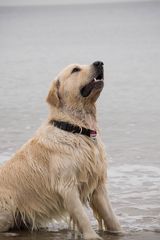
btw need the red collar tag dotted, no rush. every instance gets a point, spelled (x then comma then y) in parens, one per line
(93, 134)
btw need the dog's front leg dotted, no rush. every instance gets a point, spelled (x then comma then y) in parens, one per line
(103, 210)
(75, 208)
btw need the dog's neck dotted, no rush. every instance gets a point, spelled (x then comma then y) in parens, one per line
(79, 116)
(90, 120)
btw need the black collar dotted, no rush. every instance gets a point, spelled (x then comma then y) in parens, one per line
(74, 128)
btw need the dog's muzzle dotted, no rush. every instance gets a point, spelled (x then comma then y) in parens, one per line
(97, 81)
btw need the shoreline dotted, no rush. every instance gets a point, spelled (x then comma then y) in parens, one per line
(66, 234)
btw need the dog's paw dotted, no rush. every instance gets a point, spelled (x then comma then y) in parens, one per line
(116, 232)
(92, 235)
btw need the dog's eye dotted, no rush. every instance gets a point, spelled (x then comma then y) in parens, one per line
(76, 69)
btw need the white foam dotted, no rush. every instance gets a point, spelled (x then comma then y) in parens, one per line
(135, 194)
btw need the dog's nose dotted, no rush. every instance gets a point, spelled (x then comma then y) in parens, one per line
(98, 64)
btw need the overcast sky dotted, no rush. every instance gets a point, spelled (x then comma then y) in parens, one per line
(50, 2)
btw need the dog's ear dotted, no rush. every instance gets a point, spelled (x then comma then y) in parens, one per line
(53, 97)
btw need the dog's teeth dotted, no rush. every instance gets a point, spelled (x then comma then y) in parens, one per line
(97, 80)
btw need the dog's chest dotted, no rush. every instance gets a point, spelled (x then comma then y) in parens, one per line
(92, 168)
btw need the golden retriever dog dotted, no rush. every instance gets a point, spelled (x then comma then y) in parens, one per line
(63, 166)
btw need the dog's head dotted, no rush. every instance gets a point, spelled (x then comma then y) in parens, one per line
(77, 85)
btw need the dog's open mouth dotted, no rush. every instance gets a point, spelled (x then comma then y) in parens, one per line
(96, 83)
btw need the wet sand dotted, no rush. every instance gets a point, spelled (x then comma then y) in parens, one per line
(67, 235)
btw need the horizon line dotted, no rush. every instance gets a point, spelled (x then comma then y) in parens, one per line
(70, 2)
